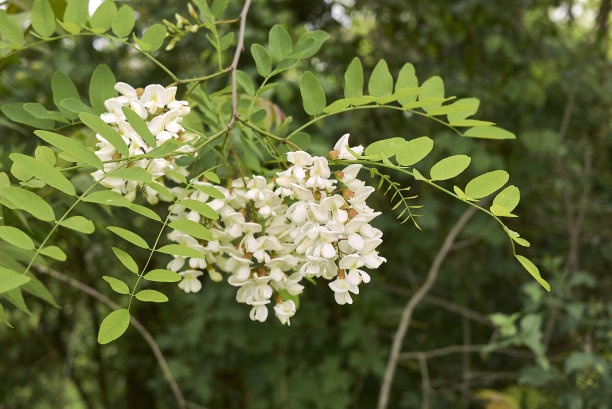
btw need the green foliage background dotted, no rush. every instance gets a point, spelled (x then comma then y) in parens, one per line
(547, 81)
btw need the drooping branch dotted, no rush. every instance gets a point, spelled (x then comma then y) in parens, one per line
(398, 340)
(234, 65)
(137, 324)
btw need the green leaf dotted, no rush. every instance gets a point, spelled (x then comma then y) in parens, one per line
(469, 106)
(113, 326)
(245, 82)
(176, 175)
(76, 105)
(15, 297)
(161, 189)
(151, 296)
(44, 172)
(45, 154)
(414, 150)
(73, 147)
(29, 202)
(129, 236)
(432, 88)
(166, 148)
(461, 194)
(226, 41)
(54, 252)
(16, 237)
(77, 12)
(407, 79)
(154, 36)
(123, 22)
(501, 211)
(262, 59)
(489, 132)
(279, 42)
(102, 18)
(309, 43)
(133, 173)
(126, 260)
(398, 95)
(16, 112)
(43, 18)
(107, 197)
(210, 191)
(449, 167)
(508, 198)
(212, 176)
(533, 270)
(106, 131)
(11, 31)
(140, 126)
(471, 122)
(218, 6)
(38, 289)
(117, 285)
(70, 27)
(313, 96)
(178, 250)
(381, 81)
(385, 148)
(161, 275)
(39, 111)
(353, 79)
(145, 211)
(192, 228)
(486, 184)
(78, 223)
(301, 139)
(101, 87)
(207, 15)
(10, 279)
(202, 208)
(63, 88)
(4, 318)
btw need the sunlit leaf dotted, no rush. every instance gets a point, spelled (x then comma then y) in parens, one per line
(117, 285)
(489, 132)
(192, 228)
(44, 172)
(123, 22)
(29, 202)
(414, 150)
(486, 184)
(78, 223)
(178, 250)
(449, 167)
(154, 36)
(43, 18)
(10, 279)
(16, 237)
(381, 81)
(533, 270)
(313, 96)
(508, 198)
(407, 79)
(432, 88)
(126, 260)
(102, 18)
(113, 326)
(161, 275)
(353, 79)
(129, 236)
(151, 296)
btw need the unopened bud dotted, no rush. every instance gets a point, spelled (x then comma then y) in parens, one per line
(339, 174)
(215, 275)
(192, 11)
(348, 194)
(333, 154)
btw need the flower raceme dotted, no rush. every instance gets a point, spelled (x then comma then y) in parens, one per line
(306, 222)
(163, 115)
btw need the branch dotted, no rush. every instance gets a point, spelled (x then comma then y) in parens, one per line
(234, 65)
(139, 327)
(383, 398)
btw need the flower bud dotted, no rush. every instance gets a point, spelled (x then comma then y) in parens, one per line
(215, 275)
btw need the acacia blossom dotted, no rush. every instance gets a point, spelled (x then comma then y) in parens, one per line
(306, 222)
(163, 115)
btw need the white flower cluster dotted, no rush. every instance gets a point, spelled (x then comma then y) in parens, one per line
(163, 115)
(306, 222)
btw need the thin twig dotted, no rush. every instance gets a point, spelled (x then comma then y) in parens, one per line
(137, 324)
(398, 339)
(463, 349)
(234, 65)
(426, 385)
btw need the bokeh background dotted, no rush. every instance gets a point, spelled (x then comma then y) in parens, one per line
(541, 69)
